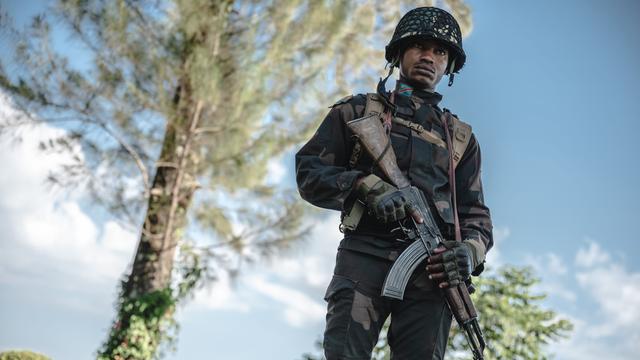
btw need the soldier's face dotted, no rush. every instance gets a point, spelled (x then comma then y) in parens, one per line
(423, 63)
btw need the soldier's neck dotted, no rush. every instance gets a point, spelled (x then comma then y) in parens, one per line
(404, 89)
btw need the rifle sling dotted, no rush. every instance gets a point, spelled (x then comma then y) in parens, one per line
(452, 175)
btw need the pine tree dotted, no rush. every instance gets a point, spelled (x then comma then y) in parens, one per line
(514, 324)
(185, 96)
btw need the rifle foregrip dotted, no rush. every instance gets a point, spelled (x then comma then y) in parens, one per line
(464, 293)
(456, 303)
(464, 311)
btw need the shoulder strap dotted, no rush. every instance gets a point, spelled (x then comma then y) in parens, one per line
(419, 130)
(446, 116)
(461, 139)
(374, 105)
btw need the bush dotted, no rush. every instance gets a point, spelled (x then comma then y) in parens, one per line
(22, 355)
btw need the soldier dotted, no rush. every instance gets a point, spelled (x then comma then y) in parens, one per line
(334, 172)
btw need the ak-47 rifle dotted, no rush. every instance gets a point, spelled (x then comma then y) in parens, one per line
(425, 235)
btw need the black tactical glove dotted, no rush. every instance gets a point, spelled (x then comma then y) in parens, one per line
(451, 263)
(383, 200)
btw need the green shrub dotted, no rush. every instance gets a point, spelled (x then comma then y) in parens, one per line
(22, 355)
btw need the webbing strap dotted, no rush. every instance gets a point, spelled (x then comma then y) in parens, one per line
(452, 175)
(419, 130)
(461, 138)
(374, 105)
(351, 220)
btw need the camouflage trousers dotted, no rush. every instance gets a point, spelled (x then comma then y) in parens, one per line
(356, 312)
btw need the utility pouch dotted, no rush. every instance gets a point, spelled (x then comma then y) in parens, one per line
(351, 220)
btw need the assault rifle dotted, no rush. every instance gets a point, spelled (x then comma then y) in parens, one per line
(426, 235)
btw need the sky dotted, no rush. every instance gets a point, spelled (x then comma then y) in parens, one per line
(550, 88)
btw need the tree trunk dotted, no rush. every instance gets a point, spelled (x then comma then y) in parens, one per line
(170, 196)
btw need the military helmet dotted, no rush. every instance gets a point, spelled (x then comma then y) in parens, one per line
(430, 23)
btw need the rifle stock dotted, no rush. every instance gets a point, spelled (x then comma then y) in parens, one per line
(373, 138)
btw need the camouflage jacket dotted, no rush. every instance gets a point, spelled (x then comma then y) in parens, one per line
(325, 178)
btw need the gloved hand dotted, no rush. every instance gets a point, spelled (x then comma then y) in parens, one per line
(383, 200)
(451, 263)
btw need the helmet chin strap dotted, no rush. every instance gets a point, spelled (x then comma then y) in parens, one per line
(451, 74)
(382, 82)
(382, 91)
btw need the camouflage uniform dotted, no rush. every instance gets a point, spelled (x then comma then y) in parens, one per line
(356, 312)
(366, 254)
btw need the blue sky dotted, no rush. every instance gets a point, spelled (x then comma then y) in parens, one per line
(550, 88)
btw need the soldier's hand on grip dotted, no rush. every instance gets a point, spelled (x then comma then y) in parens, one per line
(451, 263)
(383, 200)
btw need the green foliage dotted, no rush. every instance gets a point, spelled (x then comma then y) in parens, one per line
(21, 355)
(151, 322)
(515, 326)
(151, 326)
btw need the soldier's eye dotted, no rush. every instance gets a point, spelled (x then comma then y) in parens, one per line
(441, 51)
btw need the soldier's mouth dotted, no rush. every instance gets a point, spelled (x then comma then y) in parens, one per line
(425, 70)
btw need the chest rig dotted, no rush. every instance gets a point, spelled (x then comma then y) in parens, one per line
(461, 132)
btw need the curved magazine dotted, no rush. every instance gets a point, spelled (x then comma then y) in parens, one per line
(401, 270)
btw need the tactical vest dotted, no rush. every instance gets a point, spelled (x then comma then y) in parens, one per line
(374, 106)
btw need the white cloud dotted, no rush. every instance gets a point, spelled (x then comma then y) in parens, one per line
(557, 289)
(553, 271)
(313, 263)
(298, 279)
(616, 290)
(577, 347)
(300, 309)
(221, 295)
(550, 264)
(48, 239)
(556, 265)
(592, 256)
(611, 330)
